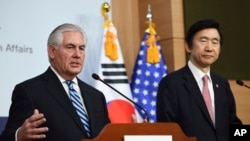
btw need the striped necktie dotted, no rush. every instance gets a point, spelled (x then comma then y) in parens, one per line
(207, 97)
(76, 101)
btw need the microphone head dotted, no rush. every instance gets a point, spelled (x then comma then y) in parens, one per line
(95, 76)
(239, 82)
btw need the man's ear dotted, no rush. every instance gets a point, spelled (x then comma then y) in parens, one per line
(51, 51)
(187, 48)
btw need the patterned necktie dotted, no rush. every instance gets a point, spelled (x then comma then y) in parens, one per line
(207, 97)
(76, 101)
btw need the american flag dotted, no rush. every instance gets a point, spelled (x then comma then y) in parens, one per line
(145, 79)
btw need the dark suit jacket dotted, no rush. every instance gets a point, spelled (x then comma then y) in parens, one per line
(47, 94)
(180, 100)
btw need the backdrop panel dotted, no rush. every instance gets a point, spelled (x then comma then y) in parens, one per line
(24, 29)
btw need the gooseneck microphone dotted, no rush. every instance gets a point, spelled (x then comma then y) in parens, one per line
(96, 77)
(241, 83)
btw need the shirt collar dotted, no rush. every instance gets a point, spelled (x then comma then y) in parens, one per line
(197, 73)
(62, 80)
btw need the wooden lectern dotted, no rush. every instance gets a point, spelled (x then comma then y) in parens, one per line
(116, 132)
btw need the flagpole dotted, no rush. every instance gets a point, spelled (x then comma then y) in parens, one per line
(149, 69)
(149, 14)
(112, 69)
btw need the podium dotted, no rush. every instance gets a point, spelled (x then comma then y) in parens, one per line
(116, 131)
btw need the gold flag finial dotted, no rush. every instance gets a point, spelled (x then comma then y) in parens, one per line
(105, 7)
(104, 10)
(111, 50)
(153, 55)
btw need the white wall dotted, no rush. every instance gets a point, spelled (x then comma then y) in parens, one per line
(27, 24)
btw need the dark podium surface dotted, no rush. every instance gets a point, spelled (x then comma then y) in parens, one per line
(116, 132)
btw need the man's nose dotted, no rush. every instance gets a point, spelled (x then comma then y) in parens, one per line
(78, 52)
(209, 45)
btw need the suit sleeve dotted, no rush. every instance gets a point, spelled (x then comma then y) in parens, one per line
(167, 106)
(20, 109)
(232, 106)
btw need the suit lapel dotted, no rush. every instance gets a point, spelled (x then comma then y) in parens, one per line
(193, 89)
(58, 92)
(217, 96)
(87, 101)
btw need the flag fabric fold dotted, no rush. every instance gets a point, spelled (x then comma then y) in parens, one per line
(114, 73)
(147, 75)
(111, 69)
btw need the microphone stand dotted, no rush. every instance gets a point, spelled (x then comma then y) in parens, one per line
(95, 76)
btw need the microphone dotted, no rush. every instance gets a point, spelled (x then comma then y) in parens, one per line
(241, 83)
(96, 77)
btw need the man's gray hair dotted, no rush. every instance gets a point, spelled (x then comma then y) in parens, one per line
(56, 36)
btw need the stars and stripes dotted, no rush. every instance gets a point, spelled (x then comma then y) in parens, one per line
(145, 79)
